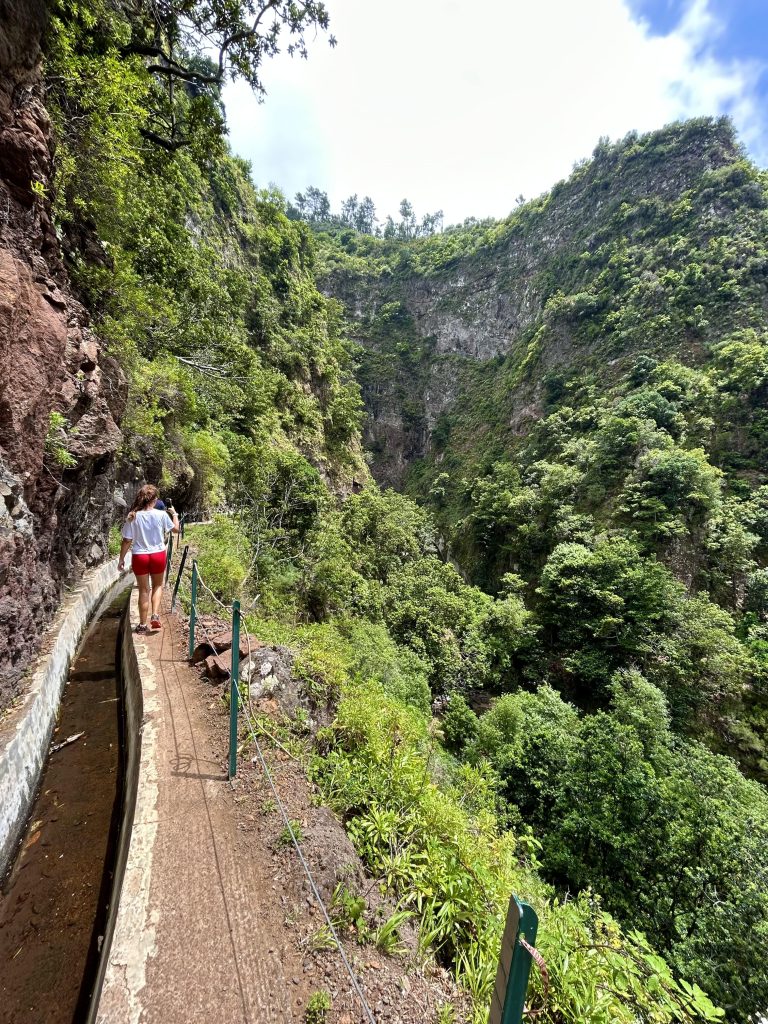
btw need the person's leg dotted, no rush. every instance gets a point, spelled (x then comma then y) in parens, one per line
(158, 578)
(143, 582)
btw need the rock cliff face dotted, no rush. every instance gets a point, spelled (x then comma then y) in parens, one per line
(53, 520)
(423, 325)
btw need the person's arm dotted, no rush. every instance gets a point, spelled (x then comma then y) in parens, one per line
(174, 515)
(124, 547)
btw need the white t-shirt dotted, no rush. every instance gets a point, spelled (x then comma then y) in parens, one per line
(147, 531)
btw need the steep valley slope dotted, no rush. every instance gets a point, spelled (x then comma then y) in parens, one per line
(578, 394)
(598, 358)
(654, 247)
(576, 397)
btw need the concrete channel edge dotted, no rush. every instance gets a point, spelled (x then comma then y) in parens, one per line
(129, 940)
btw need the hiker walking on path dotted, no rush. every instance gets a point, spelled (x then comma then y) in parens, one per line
(144, 533)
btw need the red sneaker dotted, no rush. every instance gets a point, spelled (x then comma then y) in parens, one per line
(154, 622)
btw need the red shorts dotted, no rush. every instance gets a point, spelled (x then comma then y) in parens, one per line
(142, 565)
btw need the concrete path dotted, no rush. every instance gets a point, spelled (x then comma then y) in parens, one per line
(200, 936)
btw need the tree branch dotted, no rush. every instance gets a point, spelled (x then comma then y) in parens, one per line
(236, 37)
(208, 370)
(188, 76)
(171, 145)
(170, 67)
(145, 50)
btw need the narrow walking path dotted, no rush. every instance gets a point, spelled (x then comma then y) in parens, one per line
(199, 936)
(217, 920)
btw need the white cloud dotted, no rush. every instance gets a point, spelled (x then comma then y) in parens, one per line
(464, 112)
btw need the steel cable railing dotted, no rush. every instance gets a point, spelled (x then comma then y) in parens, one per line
(237, 697)
(517, 954)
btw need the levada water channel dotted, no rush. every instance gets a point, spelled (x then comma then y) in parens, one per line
(55, 897)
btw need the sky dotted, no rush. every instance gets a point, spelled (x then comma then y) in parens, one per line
(464, 107)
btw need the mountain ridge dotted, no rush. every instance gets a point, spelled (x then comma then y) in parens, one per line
(514, 269)
(601, 476)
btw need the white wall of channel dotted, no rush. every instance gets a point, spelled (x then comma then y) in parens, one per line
(25, 730)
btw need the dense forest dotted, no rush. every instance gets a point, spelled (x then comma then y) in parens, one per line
(606, 468)
(580, 548)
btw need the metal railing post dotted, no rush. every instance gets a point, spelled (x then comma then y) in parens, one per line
(508, 1000)
(234, 688)
(193, 610)
(169, 557)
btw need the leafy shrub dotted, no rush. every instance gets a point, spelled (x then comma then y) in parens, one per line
(456, 871)
(223, 559)
(459, 724)
(115, 540)
(376, 656)
(318, 1005)
(55, 441)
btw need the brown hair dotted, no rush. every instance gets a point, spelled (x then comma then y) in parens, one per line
(145, 498)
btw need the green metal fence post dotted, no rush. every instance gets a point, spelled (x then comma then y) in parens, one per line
(521, 966)
(234, 688)
(193, 610)
(508, 1000)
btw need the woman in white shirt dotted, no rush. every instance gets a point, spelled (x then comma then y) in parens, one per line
(144, 534)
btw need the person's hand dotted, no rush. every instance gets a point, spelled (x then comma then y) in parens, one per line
(120, 565)
(170, 510)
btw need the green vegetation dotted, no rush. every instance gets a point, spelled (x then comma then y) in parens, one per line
(441, 851)
(446, 1014)
(314, 207)
(288, 835)
(606, 476)
(318, 1005)
(114, 541)
(668, 832)
(387, 936)
(613, 545)
(439, 831)
(56, 441)
(199, 284)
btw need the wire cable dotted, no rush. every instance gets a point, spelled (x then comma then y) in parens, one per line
(253, 727)
(305, 866)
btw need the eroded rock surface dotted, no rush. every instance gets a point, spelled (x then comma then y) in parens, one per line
(53, 519)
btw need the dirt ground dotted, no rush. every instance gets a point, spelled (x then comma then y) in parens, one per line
(397, 988)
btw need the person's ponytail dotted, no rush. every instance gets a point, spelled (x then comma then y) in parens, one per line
(145, 497)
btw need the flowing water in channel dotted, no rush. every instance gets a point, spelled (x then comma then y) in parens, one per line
(54, 900)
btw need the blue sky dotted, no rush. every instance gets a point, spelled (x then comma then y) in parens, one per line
(744, 23)
(739, 33)
(464, 112)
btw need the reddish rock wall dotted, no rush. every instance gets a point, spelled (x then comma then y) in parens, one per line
(53, 522)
